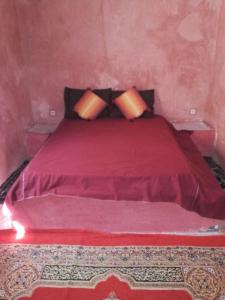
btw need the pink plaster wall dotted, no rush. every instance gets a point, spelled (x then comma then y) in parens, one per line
(166, 45)
(215, 110)
(14, 102)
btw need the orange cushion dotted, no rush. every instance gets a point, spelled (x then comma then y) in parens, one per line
(89, 106)
(131, 104)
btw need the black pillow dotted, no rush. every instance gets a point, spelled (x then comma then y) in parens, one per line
(72, 96)
(148, 97)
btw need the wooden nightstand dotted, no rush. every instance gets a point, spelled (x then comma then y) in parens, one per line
(203, 135)
(35, 136)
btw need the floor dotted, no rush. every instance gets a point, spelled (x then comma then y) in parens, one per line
(122, 216)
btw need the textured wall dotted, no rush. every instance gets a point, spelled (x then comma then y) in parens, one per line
(165, 44)
(215, 112)
(14, 102)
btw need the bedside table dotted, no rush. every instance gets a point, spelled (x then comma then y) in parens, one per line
(203, 135)
(35, 136)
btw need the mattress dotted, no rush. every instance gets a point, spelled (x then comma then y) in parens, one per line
(116, 159)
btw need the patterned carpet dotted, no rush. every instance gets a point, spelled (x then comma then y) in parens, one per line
(197, 269)
(172, 263)
(217, 170)
(10, 180)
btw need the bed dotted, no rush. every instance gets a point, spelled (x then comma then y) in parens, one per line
(144, 160)
(101, 178)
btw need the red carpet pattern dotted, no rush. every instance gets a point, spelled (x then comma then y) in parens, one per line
(198, 270)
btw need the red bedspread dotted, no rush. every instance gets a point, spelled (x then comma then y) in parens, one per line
(143, 160)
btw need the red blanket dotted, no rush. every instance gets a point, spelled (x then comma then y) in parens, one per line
(114, 159)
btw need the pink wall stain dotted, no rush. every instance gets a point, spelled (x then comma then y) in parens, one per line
(14, 102)
(171, 46)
